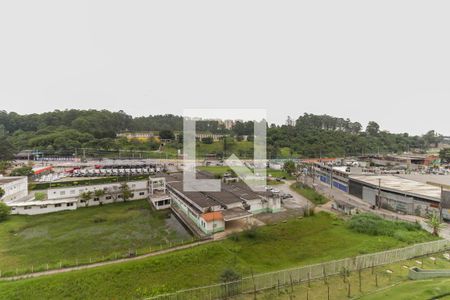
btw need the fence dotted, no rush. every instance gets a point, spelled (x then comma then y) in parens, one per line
(302, 274)
(80, 261)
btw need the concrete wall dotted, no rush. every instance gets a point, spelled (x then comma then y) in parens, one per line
(419, 274)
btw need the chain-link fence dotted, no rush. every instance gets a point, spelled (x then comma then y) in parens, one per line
(303, 274)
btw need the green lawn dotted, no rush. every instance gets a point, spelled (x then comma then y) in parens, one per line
(241, 149)
(423, 289)
(215, 170)
(279, 174)
(86, 233)
(318, 238)
(309, 194)
(220, 170)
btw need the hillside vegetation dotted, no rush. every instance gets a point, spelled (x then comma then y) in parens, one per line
(65, 132)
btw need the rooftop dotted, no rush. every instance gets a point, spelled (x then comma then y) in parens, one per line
(4, 180)
(211, 216)
(428, 178)
(401, 185)
(230, 193)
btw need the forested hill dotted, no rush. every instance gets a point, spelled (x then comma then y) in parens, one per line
(310, 136)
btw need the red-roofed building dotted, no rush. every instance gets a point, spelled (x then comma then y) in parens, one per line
(212, 221)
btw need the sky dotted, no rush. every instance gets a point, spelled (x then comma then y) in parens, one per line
(387, 61)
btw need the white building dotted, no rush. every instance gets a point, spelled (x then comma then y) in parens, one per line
(68, 198)
(15, 188)
(42, 207)
(139, 190)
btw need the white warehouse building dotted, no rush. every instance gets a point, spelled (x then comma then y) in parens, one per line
(15, 188)
(68, 198)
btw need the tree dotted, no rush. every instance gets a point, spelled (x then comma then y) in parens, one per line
(166, 135)
(99, 194)
(434, 221)
(4, 165)
(85, 197)
(22, 171)
(207, 140)
(229, 275)
(289, 167)
(373, 128)
(444, 154)
(2, 192)
(113, 192)
(5, 210)
(125, 191)
(7, 150)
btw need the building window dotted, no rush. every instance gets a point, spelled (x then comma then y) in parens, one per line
(27, 207)
(69, 204)
(141, 193)
(58, 205)
(62, 193)
(43, 206)
(108, 198)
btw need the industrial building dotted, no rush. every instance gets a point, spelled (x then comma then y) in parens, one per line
(337, 176)
(211, 211)
(398, 194)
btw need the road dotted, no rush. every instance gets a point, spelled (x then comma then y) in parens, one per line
(297, 201)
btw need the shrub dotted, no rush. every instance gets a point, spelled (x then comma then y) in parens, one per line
(374, 225)
(251, 233)
(229, 275)
(309, 193)
(5, 210)
(234, 237)
(39, 196)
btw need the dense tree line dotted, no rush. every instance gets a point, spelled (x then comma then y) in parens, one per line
(315, 136)
(312, 135)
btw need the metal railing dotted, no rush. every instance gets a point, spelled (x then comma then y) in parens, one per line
(302, 274)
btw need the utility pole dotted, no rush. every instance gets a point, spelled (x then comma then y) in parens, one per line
(331, 176)
(379, 193)
(440, 204)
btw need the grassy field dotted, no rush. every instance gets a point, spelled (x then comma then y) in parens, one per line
(279, 174)
(220, 170)
(241, 149)
(309, 194)
(91, 232)
(318, 238)
(215, 170)
(376, 284)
